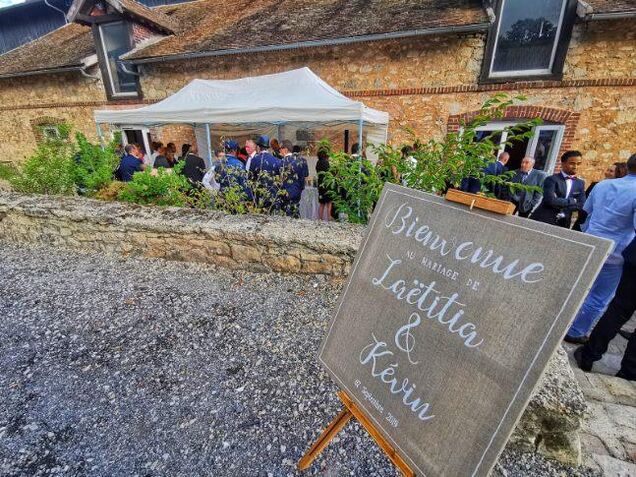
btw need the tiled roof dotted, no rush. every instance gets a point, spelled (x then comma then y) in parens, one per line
(137, 11)
(65, 47)
(612, 6)
(225, 25)
(220, 25)
(147, 15)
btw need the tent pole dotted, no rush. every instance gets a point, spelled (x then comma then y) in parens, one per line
(208, 140)
(360, 157)
(100, 135)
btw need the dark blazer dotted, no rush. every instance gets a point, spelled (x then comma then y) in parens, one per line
(554, 201)
(297, 172)
(194, 169)
(473, 185)
(630, 253)
(524, 200)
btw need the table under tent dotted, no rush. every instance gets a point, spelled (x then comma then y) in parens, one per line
(288, 105)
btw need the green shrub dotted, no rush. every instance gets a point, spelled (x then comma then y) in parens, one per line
(355, 185)
(7, 171)
(163, 187)
(50, 170)
(249, 194)
(94, 165)
(431, 166)
(438, 164)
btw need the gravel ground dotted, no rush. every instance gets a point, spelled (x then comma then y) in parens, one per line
(122, 367)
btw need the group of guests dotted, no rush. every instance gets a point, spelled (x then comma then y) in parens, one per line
(134, 159)
(605, 209)
(269, 173)
(272, 174)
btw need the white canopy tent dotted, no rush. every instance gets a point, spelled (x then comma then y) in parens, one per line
(270, 103)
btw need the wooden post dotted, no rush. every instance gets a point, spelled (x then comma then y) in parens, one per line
(351, 410)
(497, 206)
(327, 435)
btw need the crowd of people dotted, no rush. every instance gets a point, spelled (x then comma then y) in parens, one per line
(605, 209)
(268, 172)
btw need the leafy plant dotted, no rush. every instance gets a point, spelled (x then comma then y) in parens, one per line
(7, 172)
(163, 187)
(431, 166)
(110, 192)
(50, 170)
(94, 165)
(354, 185)
(436, 165)
(244, 193)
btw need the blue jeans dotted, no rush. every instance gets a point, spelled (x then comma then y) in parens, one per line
(598, 298)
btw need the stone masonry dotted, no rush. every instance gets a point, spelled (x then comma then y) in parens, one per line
(553, 417)
(422, 83)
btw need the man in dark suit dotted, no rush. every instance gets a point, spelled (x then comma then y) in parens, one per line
(194, 168)
(527, 201)
(495, 168)
(563, 193)
(619, 312)
(264, 174)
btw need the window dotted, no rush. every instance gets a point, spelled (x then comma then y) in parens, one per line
(50, 133)
(543, 145)
(115, 41)
(529, 38)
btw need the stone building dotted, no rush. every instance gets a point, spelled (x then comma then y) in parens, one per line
(429, 63)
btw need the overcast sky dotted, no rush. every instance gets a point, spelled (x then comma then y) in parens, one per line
(6, 3)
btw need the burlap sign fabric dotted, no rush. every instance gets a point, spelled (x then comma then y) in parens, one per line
(447, 322)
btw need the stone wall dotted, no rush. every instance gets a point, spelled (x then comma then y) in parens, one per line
(552, 419)
(421, 82)
(257, 243)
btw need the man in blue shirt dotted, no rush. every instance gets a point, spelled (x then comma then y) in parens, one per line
(612, 214)
(131, 162)
(619, 311)
(232, 173)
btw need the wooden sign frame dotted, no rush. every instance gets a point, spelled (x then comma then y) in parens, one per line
(350, 409)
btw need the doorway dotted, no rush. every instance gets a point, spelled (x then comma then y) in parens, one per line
(139, 136)
(543, 145)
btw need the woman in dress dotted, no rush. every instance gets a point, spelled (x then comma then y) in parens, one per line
(322, 166)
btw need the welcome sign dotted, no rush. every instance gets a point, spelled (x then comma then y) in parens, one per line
(447, 322)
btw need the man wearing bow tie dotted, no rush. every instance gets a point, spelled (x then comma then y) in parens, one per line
(563, 193)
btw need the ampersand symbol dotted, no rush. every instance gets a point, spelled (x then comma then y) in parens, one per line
(404, 339)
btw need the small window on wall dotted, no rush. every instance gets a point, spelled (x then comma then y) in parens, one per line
(529, 39)
(51, 133)
(114, 42)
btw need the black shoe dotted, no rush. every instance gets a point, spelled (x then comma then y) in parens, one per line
(623, 376)
(575, 339)
(625, 334)
(582, 361)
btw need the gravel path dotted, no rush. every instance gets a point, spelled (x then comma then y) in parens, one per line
(121, 367)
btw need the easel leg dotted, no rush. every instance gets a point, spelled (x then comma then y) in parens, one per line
(327, 435)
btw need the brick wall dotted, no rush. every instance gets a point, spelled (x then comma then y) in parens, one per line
(423, 83)
(141, 33)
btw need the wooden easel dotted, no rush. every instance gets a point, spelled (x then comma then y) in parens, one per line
(341, 420)
(351, 410)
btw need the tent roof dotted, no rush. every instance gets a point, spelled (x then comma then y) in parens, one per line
(292, 96)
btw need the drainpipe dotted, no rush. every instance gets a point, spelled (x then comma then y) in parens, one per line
(46, 2)
(88, 75)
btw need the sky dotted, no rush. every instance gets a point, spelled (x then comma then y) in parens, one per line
(6, 3)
